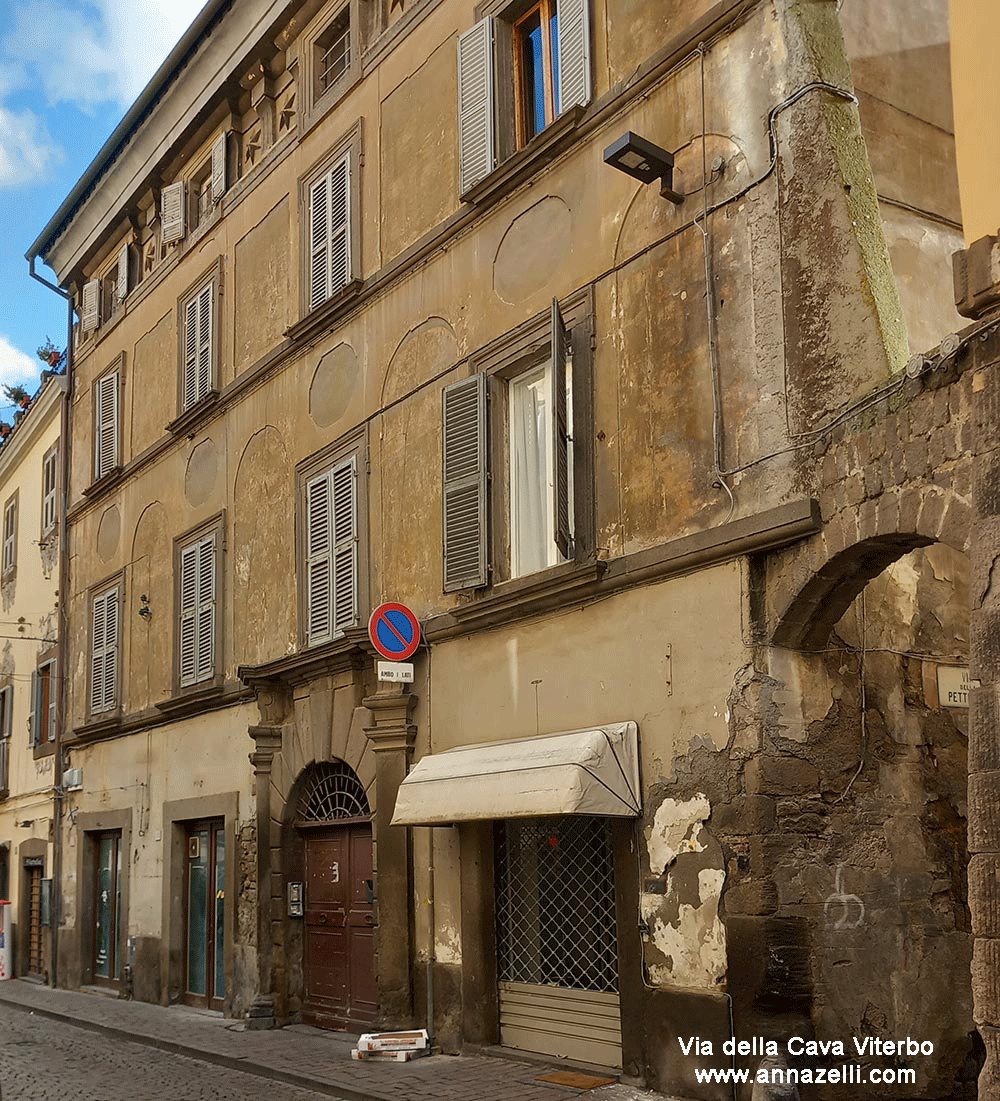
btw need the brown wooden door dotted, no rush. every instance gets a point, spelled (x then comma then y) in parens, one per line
(339, 928)
(36, 965)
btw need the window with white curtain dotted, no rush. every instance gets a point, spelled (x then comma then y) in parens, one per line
(531, 410)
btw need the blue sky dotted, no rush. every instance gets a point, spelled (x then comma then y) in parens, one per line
(69, 69)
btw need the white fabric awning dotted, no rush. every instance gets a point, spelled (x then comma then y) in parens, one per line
(594, 771)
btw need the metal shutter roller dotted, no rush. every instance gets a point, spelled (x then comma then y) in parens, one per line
(464, 461)
(476, 111)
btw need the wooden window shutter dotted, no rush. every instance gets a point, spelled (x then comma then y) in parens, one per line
(340, 225)
(51, 733)
(110, 649)
(220, 177)
(173, 209)
(464, 460)
(561, 527)
(104, 652)
(319, 242)
(319, 560)
(205, 323)
(190, 353)
(574, 53)
(90, 310)
(33, 713)
(476, 110)
(121, 287)
(106, 446)
(344, 493)
(197, 609)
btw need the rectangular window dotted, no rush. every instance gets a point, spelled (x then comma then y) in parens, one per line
(50, 486)
(518, 70)
(202, 201)
(43, 705)
(330, 266)
(333, 52)
(104, 644)
(107, 445)
(530, 498)
(199, 343)
(331, 550)
(197, 604)
(10, 536)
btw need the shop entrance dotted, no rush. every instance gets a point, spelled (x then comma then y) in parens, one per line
(339, 910)
(557, 942)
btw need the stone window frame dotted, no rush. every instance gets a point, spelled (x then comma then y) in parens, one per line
(316, 102)
(212, 275)
(514, 353)
(214, 525)
(11, 511)
(47, 657)
(351, 143)
(354, 443)
(113, 581)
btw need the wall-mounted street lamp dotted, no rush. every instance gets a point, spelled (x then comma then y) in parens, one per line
(645, 162)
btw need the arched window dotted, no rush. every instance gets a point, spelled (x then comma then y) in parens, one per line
(332, 791)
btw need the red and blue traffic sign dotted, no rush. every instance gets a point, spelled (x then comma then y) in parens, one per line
(394, 631)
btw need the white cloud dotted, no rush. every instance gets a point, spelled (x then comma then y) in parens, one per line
(17, 368)
(104, 52)
(26, 150)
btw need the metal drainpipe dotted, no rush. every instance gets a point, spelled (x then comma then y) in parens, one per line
(62, 642)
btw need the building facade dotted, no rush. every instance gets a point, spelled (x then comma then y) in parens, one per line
(30, 485)
(365, 316)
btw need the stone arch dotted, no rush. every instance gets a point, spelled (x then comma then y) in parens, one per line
(815, 583)
(150, 639)
(423, 352)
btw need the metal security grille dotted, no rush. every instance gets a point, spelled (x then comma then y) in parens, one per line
(556, 903)
(333, 791)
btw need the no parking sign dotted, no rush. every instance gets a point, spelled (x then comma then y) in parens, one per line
(394, 631)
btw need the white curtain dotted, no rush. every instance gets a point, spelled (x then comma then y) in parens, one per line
(532, 543)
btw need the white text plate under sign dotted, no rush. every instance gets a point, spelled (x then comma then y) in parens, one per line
(395, 671)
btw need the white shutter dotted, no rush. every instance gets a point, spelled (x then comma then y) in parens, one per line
(197, 607)
(220, 180)
(121, 288)
(106, 454)
(340, 225)
(574, 53)
(90, 310)
(343, 488)
(464, 461)
(205, 298)
(110, 649)
(191, 353)
(330, 268)
(319, 560)
(206, 608)
(319, 242)
(476, 112)
(173, 223)
(562, 526)
(104, 652)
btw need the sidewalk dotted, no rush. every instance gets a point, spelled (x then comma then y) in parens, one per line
(301, 1056)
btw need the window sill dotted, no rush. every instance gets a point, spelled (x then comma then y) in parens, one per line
(194, 698)
(523, 164)
(188, 422)
(106, 481)
(326, 314)
(98, 726)
(47, 749)
(512, 600)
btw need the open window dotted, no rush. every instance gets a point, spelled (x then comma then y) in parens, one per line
(519, 69)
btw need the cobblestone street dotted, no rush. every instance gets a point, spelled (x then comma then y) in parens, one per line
(41, 1060)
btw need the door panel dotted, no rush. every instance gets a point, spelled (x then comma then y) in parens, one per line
(339, 928)
(205, 909)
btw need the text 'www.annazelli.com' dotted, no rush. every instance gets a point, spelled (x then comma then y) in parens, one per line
(844, 1075)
